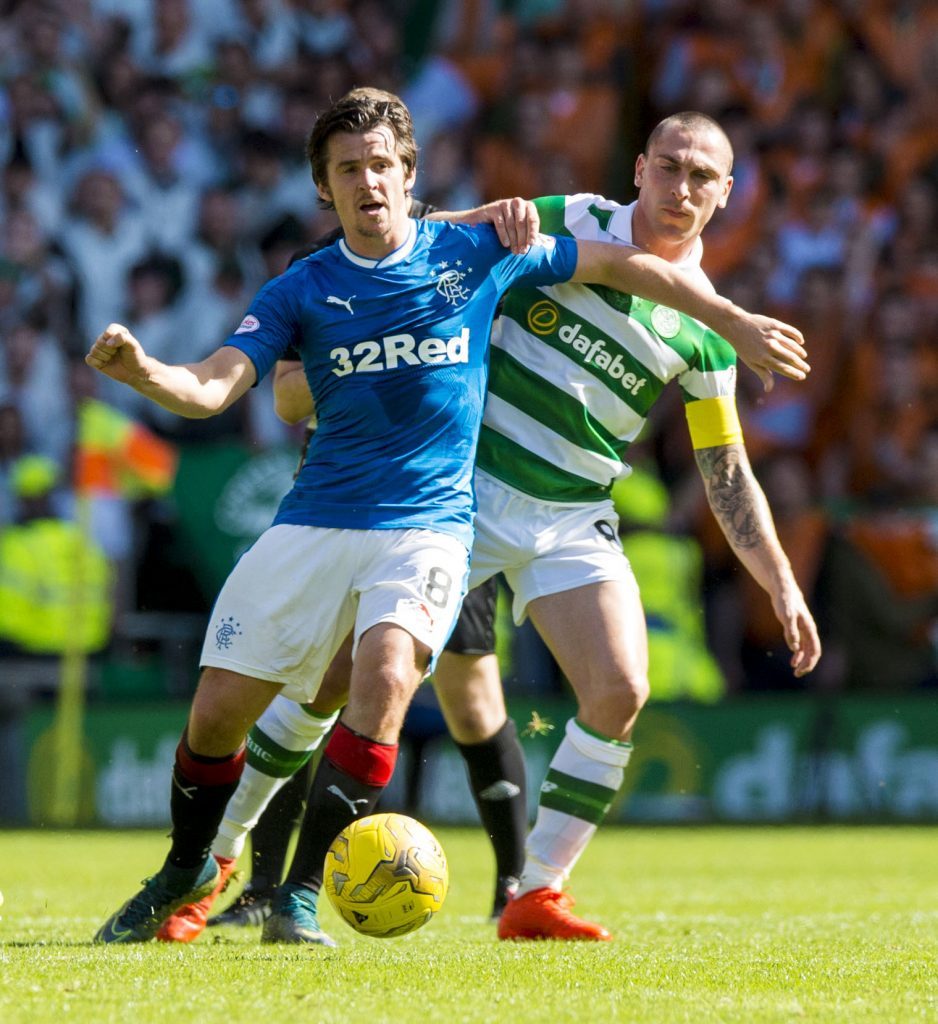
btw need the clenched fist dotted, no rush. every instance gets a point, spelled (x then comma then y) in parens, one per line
(118, 354)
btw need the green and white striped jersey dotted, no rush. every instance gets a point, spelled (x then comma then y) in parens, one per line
(575, 369)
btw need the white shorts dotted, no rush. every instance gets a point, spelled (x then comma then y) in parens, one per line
(543, 547)
(296, 593)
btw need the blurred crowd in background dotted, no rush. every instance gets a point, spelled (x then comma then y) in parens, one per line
(153, 173)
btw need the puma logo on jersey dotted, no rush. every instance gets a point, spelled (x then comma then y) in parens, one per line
(400, 350)
(353, 804)
(334, 300)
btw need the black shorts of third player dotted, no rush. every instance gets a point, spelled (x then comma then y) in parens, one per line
(474, 632)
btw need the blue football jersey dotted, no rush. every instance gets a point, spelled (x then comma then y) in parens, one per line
(396, 355)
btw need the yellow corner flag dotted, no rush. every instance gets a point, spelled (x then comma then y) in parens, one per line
(117, 455)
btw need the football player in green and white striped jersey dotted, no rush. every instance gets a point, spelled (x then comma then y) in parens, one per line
(574, 372)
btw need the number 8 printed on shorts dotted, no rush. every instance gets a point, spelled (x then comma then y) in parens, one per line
(439, 584)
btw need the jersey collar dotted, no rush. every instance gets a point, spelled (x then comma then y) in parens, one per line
(400, 253)
(620, 225)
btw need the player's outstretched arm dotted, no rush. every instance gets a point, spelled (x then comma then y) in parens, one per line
(516, 221)
(196, 390)
(740, 507)
(765, 345)
(293, 401)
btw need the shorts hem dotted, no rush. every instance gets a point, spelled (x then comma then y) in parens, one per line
(246, 670)
(434, 651)
(562, 588)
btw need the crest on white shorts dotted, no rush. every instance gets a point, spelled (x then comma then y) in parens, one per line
(225, 633)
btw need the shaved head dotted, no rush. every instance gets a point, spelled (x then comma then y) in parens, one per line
(691, 121)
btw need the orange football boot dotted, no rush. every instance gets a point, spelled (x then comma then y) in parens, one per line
(189, 922)
(545, 914)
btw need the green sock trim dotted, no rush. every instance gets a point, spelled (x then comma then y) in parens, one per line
(269, 758)
(624, 744)
(307, 710)
(587, 801)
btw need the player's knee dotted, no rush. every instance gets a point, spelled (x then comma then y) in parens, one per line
(395, 690)
(380, 711)
(613, 707)
(474, 722)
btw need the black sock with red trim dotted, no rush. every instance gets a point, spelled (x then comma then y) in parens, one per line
(348, 783)
(202, 787)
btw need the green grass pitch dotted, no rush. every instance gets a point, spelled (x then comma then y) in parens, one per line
(721, 925)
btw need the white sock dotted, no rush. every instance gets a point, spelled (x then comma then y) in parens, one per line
(281, 742)
(583, 778)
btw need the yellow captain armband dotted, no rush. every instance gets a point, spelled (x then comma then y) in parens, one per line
(713, 422)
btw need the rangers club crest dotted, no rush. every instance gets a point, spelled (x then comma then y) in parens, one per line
(449, 282)
(225, 633)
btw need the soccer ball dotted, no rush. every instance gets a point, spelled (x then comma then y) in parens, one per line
(386, 875)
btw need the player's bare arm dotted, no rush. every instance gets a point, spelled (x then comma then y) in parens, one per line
(740, 507)
(196, 390)
(764, 344)
(516, 221)
(293, 401)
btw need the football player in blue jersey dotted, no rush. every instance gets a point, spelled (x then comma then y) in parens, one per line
(271, 795)
(393, 325)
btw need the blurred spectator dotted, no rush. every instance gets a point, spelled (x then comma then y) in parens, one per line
(43, 279)
(168, 200)
(796, 417)
(220, 239)
(211, 312)
(448, 182)
(12, 447)
(882, 593)
(102, 241)
(325, 27)
(376, 55)
(24, 191)
(299, 110)
(269, 31)
(172, 43)
(892, 402)
(815, 238)
(55, 583)
(33, 377)
(265, 192)
(234, 73)
(155, 285)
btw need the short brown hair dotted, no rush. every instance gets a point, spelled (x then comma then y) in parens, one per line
(362, 110)
(690, 120)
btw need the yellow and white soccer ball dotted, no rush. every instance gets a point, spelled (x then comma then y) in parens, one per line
(386, 875)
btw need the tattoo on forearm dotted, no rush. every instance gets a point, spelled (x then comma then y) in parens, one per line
(729, 484)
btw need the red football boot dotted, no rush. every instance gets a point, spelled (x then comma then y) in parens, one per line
(545, 914)
(188, 923)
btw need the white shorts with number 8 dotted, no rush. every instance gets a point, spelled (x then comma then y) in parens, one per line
(296, 593)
